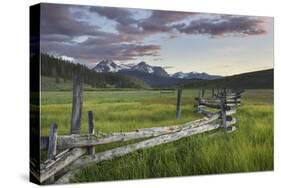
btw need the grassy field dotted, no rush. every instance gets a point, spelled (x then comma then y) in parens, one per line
(250, 148)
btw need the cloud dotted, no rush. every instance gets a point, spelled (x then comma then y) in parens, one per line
(95, 53)
(67, 58)
(60, 28)
(62, 24)
(57, 19)
(120, 15)
(56, 37)
(226, 25)
(159, 20)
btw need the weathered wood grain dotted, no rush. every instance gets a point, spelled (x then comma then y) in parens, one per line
(51, 167)
(74, 154)
(77, 103)
(230, 96)
(120, 151)
(207, 113)
(71, 141)
(210, 100)
(215, 105)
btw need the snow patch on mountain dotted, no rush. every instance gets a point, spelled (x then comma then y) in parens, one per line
(195, 75)
(143, 67)
(110, 66)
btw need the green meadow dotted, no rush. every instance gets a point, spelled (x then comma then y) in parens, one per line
(248, 149)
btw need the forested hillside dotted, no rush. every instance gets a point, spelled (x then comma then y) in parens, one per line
(62, 70)
(251, 80)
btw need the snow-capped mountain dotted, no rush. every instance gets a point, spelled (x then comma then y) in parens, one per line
(110, 66)
(142, 67)
(195, 75)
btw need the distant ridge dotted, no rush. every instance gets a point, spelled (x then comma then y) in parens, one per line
(195, 75)
(251, 80)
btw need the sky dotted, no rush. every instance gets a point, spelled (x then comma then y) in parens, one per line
(217, 44)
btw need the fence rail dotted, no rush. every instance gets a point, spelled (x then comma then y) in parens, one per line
(79, 149)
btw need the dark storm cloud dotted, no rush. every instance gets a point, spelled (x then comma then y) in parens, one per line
(236, 25)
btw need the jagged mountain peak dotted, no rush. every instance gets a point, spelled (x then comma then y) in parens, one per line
(142, 63)
(108, 65)
(143, 67)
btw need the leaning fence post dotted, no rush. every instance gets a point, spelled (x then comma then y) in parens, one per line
(91, 131)
(52, 149)
(178, 108)
(213, 92)
(76, 103)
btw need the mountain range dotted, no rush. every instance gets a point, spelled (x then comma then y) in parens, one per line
(58, 73)
(142, 67)
(196, 75)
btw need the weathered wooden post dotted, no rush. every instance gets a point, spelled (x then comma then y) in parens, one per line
(213, 92)
(235, 101)
(178, 108)
(199, 101)
(223, 111)
(203, 92)
(91, 131)
(76, 103)
(52, 149)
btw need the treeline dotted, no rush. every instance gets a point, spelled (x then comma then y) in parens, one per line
(62, 69)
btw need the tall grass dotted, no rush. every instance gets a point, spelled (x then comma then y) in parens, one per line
(248, 149)
(116, 111)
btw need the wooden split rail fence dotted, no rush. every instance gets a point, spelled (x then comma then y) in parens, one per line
(78, 150)
(225, 100)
